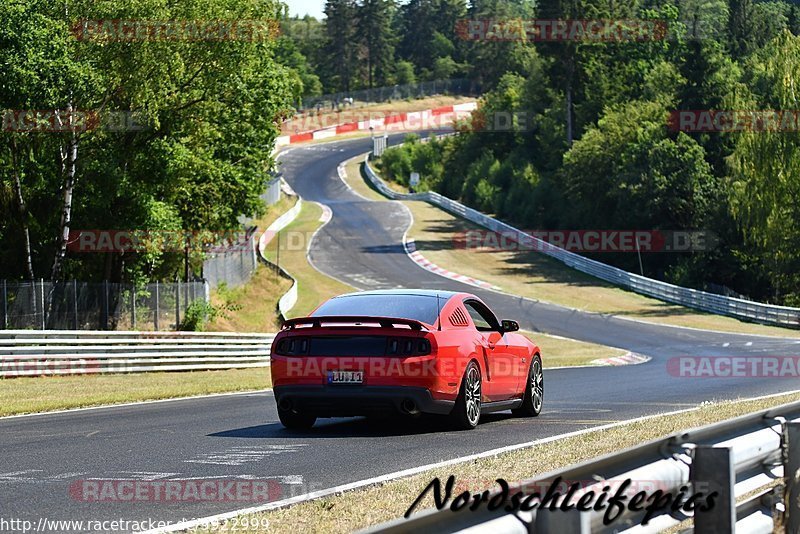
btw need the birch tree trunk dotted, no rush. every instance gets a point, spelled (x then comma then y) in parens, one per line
(23, 213)
(69, 162)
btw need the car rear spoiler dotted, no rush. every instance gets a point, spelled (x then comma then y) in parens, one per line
(385, 322)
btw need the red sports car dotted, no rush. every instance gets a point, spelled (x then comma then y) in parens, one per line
(408, 351)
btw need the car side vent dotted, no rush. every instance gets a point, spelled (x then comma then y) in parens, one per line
(458, 318)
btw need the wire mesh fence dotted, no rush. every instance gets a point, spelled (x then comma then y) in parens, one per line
(233, 266)
(273, 193)
(73, 305)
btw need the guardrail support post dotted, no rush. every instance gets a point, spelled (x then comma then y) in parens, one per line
(557, 520)
(712, 471)
(791, 473)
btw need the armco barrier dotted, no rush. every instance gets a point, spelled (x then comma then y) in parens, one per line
(701, 300)
(67, 352)
(289, 299)
(414, 120)
(739, 459)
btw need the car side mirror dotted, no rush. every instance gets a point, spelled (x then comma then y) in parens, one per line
(509, 326)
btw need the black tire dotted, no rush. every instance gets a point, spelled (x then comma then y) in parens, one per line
(534, 391)
(296, 420)
(467, 411)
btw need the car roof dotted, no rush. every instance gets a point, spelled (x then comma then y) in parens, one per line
(411, 292)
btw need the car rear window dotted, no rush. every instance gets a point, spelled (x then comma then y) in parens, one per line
(421, 308)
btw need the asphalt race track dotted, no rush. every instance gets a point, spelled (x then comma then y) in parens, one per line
(239, 436)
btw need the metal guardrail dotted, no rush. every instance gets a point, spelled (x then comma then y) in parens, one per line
(289, 299)
(739, 458)
(701, 300)
(68, 352)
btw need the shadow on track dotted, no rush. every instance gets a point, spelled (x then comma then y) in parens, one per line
(357, 427)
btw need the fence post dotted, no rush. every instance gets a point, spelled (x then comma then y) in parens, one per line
(74, 304)
(158, 311)
(253, 249)
(44, 317)
(791, 473)
(133, 306)
(5, 305)
(105, 305)
(178, 305)
(712, 470)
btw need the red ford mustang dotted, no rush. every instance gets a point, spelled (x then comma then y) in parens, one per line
(408, 351)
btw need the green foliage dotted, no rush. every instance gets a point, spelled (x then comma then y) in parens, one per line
(208, 111)
(199, 313)
(765, 185)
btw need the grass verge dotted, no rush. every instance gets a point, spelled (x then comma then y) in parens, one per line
(375, 504)
(539, 277)
(313, 286)
(556, 351)
(563, 352)
(253, 305)
(48, 393)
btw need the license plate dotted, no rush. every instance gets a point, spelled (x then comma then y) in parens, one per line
(345, 377)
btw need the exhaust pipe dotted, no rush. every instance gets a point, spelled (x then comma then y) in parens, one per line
(285, 404)
(409, 407)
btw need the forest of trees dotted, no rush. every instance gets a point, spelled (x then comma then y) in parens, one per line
(206, 119)
(595, 150)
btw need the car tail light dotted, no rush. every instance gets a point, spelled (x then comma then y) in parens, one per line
(292, 346)
(408, 346)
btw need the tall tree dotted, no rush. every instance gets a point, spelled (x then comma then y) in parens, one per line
(374, 23)
(765, 190)
(339, 51)
(740, 28)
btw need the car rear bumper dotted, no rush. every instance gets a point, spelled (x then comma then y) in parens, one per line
(346, 401)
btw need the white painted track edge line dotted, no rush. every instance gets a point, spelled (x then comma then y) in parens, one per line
(218, 518)
(311, 242)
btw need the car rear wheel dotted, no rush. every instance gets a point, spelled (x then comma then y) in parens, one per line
(294, 420)
(467, 410)
(534, 391)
